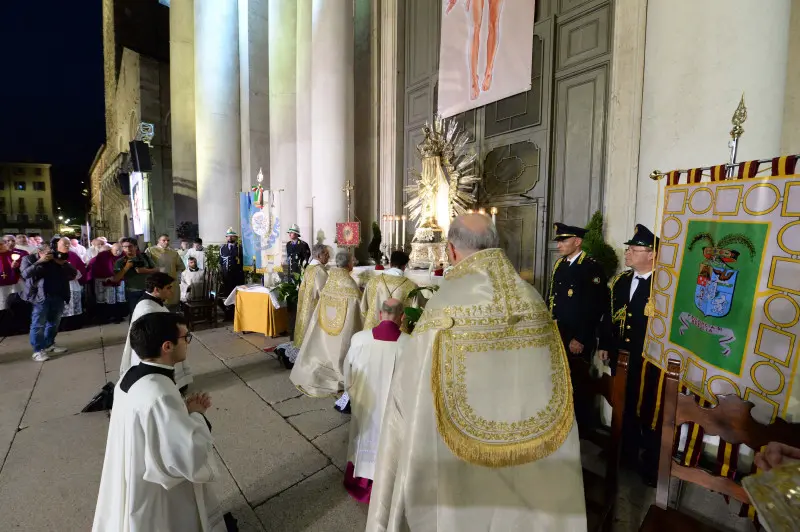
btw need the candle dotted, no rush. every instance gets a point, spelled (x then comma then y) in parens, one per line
(482, 211)
(404, 232)
(494, 214)
(383, 230)
(469, 211)
(397, 230)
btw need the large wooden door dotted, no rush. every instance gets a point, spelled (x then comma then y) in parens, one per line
(540, 152)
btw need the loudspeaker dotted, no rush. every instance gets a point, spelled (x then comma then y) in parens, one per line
(124, 180)
(140, 156)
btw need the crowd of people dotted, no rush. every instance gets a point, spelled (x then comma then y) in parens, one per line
(453, 428)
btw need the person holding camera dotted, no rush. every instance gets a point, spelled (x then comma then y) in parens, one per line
(133, 267)
(47, 275)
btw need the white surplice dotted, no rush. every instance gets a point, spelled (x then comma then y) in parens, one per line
(158, 463)
(183, 373)
(368, 370)
(479, 432)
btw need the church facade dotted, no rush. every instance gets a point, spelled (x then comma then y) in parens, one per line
(318, 92)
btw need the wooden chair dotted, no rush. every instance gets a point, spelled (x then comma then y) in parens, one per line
(200, 306)
(601, 491)
(730, 420)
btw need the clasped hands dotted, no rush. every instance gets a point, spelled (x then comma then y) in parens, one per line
(198, 402)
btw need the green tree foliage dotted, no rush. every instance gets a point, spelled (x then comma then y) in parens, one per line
(596, 247)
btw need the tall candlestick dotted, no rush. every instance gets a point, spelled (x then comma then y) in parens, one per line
(493, 210)
(384, 234)
(404, 232)
(397, 230)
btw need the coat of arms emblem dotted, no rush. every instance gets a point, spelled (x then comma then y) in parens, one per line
(716, 280)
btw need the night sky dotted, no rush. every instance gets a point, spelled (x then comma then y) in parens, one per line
(51, 90)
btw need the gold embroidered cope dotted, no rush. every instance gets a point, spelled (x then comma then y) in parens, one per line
(314, 279)
(513, 326)
(380, 288)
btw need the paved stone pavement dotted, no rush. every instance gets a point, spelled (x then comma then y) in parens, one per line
(282, 453)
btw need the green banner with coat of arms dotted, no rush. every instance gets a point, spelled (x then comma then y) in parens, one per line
(726, 289)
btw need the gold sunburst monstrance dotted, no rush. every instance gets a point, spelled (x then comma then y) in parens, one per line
(448, 174)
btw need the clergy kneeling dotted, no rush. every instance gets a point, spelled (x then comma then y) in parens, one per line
(479, 431)
(159, 456)
(318, 370)
(368, 371)
(159, 289)
(314, 278)
(392, 283)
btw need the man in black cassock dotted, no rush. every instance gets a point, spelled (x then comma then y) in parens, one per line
(231, 262)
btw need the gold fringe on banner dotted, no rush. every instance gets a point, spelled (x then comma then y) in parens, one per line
(748, 170)
(783, 166)
(718, 172)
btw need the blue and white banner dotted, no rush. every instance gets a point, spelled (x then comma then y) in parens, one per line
(261, 232)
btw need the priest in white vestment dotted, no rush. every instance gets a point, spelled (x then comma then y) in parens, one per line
(391, 283)
(159, 288)
(368, 370)
(479, 432)
(192, 282)
(314, 278)
(318, 371)
(159, 457)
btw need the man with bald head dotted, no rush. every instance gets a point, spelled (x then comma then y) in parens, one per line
(479, 431)
(368, 370)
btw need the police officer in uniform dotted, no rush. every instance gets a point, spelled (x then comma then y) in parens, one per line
(626, 329)
(297, 251)
(578, 293)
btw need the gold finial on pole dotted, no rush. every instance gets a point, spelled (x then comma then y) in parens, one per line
(739, 118)
(655, 175)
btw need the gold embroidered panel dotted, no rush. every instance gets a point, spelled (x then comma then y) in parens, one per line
(496, 443)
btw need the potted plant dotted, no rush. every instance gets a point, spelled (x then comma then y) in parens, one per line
(597, 248)
(413, 314)
(288, 291)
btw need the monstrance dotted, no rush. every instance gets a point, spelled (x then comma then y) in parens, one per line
(444, 189)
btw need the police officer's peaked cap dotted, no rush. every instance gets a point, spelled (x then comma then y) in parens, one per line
(642, 236)
(564, 231)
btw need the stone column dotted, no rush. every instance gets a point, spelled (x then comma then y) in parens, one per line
(303, 114)
(217, 117)
(790, 138)
(624, 120)
(332, 108)
(700, 58)
(182, 120)
(253, 89)
(282, 103)
(390, 182)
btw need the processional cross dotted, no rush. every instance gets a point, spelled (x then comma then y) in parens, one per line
(348, 188)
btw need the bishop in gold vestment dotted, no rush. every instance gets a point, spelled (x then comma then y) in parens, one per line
(479, 431)
(318, 370)
(392, 283)
(314, 278)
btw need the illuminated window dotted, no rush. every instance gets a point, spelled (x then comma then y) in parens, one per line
(38, 185)
(19, 185)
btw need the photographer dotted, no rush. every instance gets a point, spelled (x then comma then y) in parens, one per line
(47, 275)
(133, 267)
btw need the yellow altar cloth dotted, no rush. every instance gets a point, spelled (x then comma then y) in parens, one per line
(255, 313)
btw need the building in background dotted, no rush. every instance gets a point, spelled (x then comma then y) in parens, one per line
(26, 199)
(137, 90)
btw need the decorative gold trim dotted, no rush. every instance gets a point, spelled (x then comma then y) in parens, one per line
(339, 288)
(392, 283)
(306, 301)
(499, 443)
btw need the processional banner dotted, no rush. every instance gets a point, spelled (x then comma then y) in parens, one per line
(261, 231)
(485, 54)
(726, 286)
